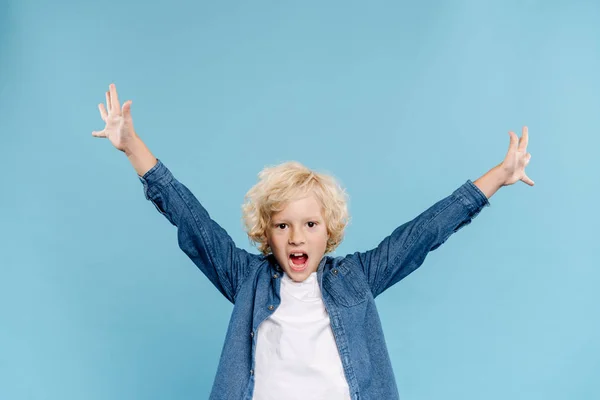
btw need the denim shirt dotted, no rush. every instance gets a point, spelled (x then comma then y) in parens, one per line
(349, 284)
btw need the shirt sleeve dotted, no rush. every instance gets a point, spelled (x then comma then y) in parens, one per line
(405, 249)
(205, 242)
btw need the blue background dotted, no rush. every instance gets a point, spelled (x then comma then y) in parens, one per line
(401, 101)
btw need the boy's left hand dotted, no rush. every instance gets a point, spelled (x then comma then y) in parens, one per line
(516, 159)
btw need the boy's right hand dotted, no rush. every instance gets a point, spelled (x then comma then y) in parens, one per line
(119, 124)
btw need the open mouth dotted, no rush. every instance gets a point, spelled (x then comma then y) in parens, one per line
(298, 261)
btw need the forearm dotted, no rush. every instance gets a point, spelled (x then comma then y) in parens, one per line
(140, 156)
(491, 181)
(201, 238)
(406, 248)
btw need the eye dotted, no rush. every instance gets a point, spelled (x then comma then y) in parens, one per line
(281, 226)
(312, 224)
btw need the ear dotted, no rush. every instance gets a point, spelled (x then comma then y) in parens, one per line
(268, 239)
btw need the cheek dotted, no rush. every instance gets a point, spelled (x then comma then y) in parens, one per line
(323, 238)
(275, 243)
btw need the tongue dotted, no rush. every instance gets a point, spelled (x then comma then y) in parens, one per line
(299, 260)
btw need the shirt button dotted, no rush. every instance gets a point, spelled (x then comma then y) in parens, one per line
(335, 271)
(275, 276)
(271, 307)
(251, 372)
(252, 334)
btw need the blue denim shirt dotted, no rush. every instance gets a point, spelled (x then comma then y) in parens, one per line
(349, 284)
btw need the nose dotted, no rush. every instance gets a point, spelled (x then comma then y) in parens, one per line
(296, 237)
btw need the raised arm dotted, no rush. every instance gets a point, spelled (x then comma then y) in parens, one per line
(405, 249)
(205, 242)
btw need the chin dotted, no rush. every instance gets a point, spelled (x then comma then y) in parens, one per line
(300, 273)
(299, 277)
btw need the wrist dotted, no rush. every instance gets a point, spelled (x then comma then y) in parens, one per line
(500, 175)
(133, 146)
(140, 156)
(491, 181)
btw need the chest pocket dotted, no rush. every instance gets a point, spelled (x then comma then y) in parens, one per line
(346, 284)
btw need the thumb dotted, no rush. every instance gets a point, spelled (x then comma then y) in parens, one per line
(528, 180)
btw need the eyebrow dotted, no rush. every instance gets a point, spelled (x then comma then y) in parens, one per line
(282, 220)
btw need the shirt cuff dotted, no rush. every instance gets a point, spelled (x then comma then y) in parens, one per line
(472, 197)
(157, 177)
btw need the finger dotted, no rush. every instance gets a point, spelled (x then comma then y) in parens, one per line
(127, 109)
(100, 134)
(114, 99)
(514, 141)
(527, 180)
(524, 139)
(103, 112)
(108, 105)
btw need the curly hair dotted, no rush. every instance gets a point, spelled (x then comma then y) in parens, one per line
(279, 184)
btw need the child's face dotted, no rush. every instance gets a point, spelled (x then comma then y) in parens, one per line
(298, 228)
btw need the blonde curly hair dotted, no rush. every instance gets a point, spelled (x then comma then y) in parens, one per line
(279, 184)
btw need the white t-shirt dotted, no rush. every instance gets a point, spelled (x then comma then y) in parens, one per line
(296, 354)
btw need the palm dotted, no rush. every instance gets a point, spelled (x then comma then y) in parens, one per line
(517, 159)
(117, 130)
(119, 124)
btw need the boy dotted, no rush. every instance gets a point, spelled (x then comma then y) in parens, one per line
(304, 325)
